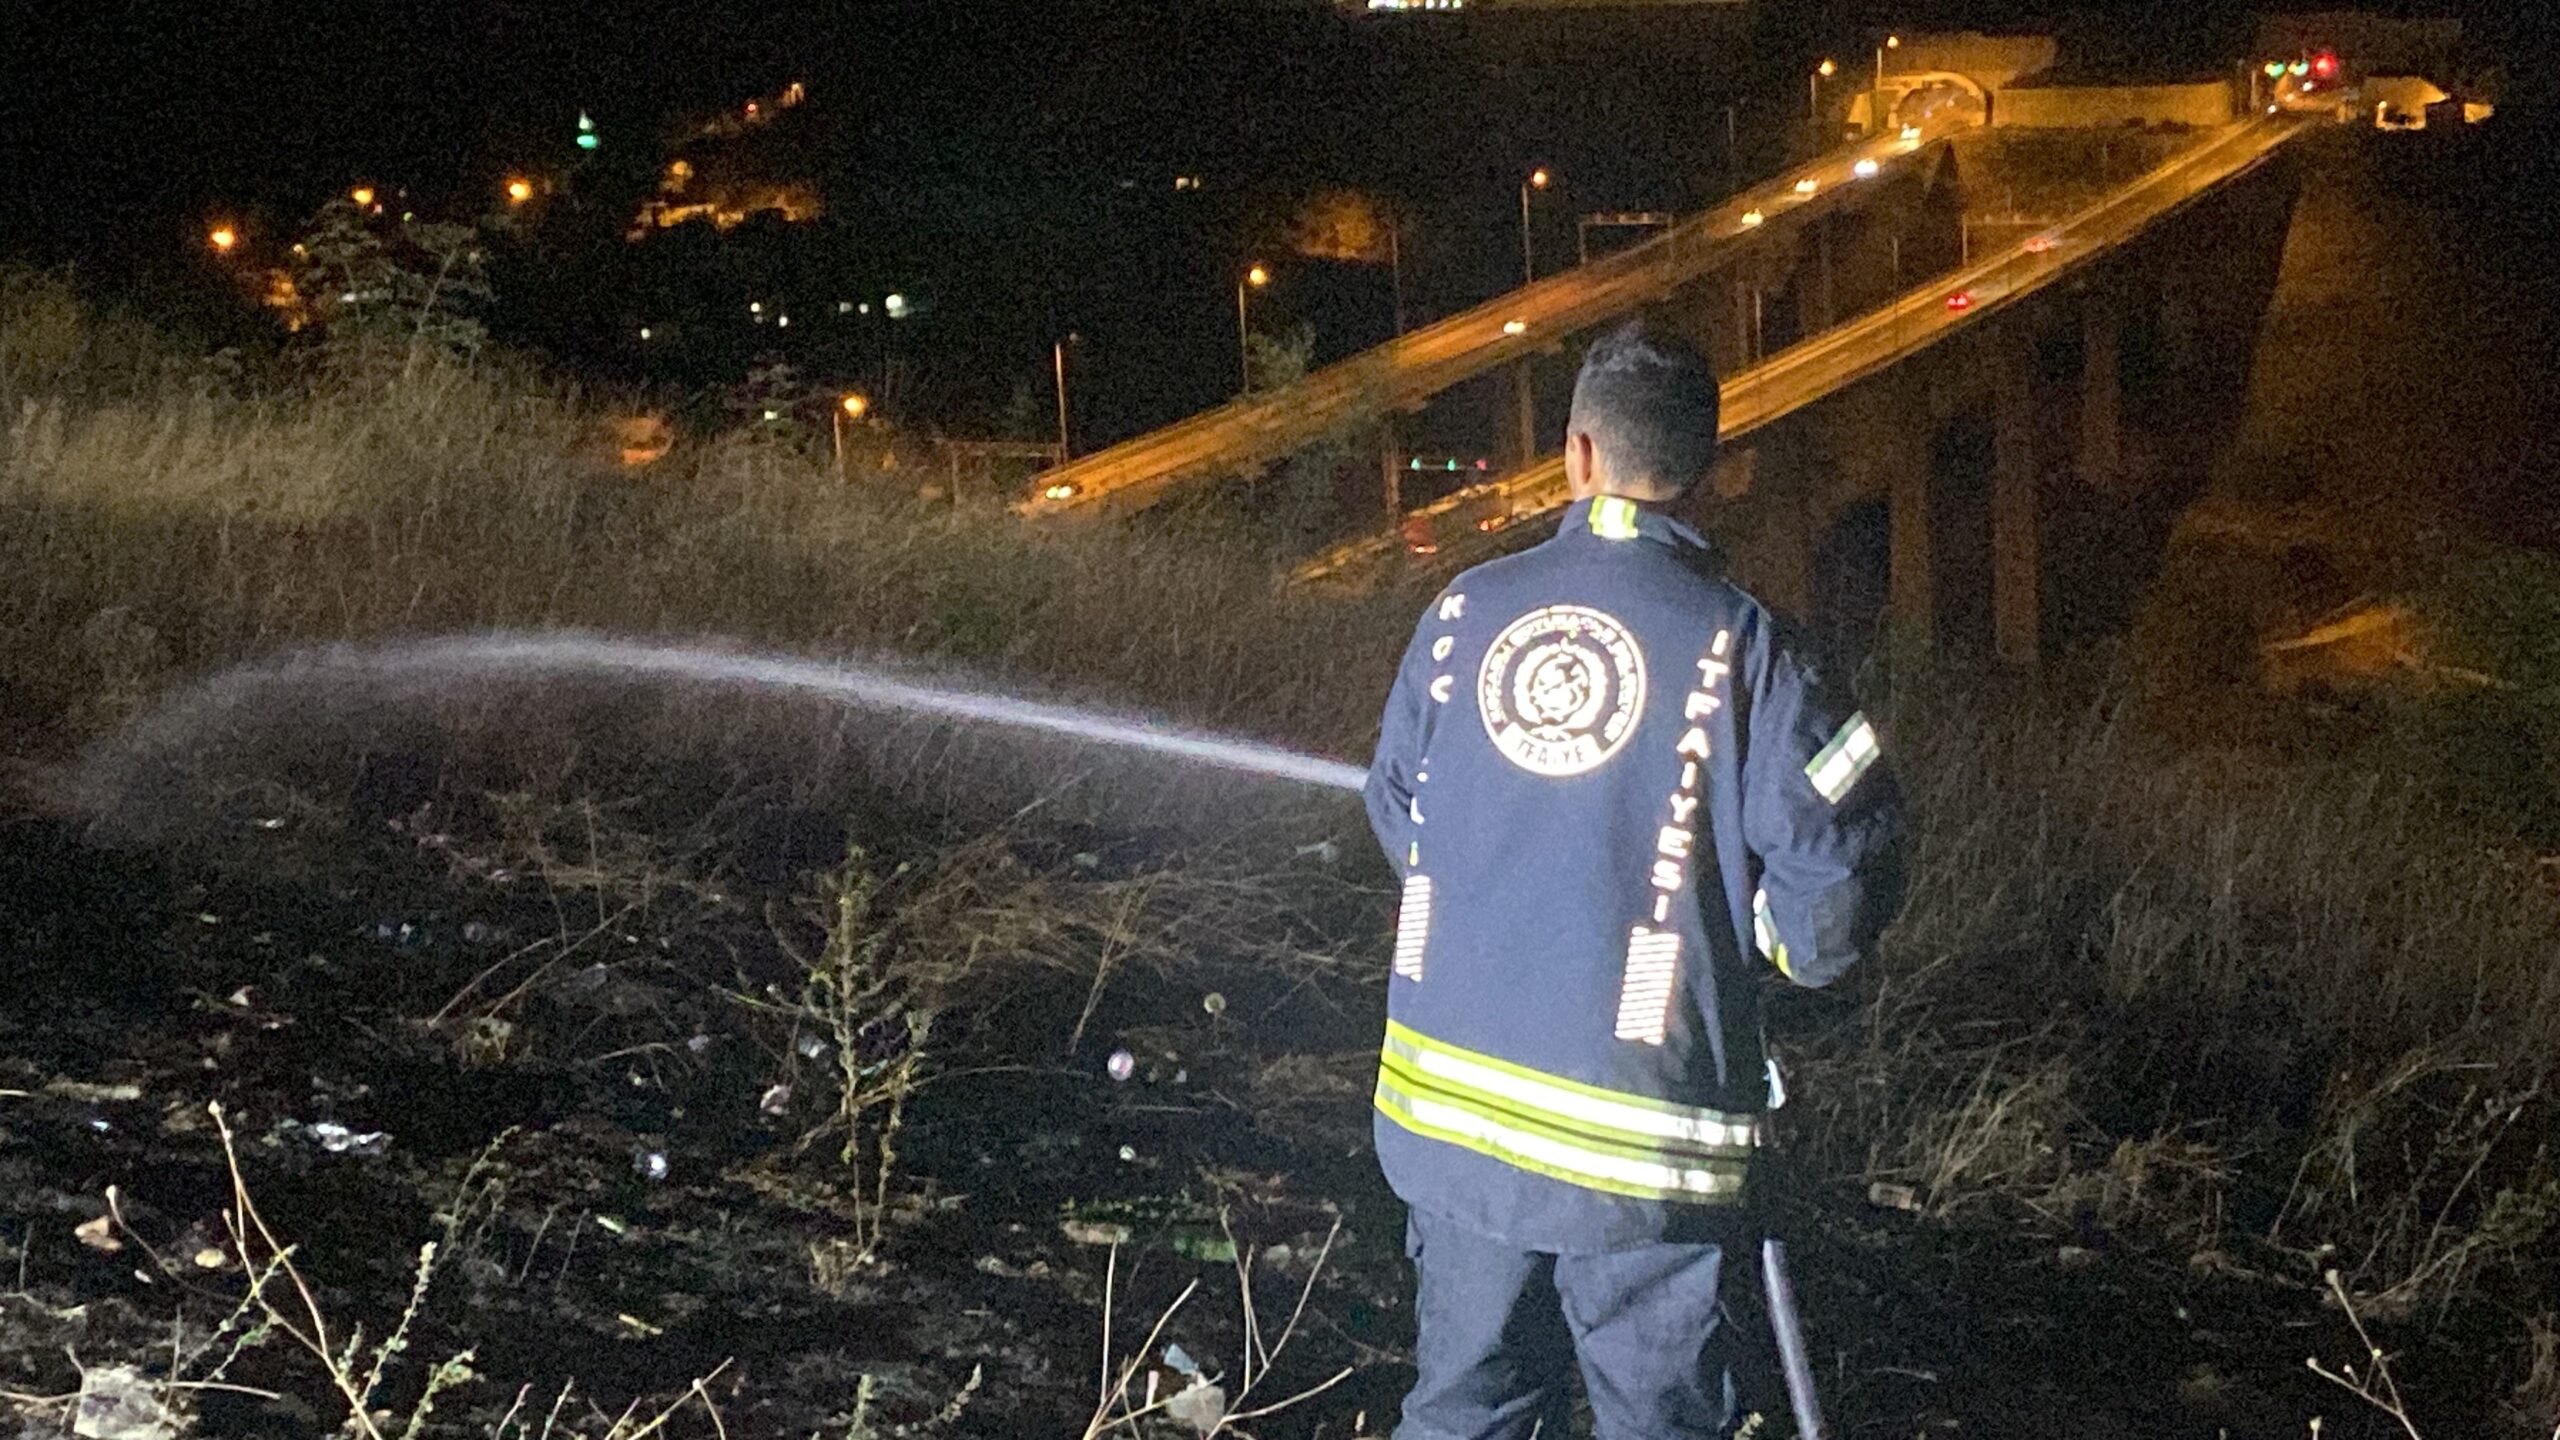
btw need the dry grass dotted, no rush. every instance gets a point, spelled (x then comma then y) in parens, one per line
(2179, 986)
(160, 513)
(2198, 990)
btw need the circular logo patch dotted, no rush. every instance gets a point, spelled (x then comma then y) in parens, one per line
(1561, 689)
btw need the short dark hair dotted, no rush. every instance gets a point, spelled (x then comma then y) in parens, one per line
(1647, 398)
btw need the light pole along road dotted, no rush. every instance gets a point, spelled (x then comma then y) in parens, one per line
(1836, 358)
(1423, 362)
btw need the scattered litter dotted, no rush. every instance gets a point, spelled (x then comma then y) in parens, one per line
(117, 1403)
(99, 1124)
(611, 1226)
(335, 1138)
(212, 1258)
(650, 1165)
(1094, 1232)
(1179, 1360)
(400, 934)
(1325, 851)
(2075, 1257)
(776, 1099)
(99, 1234)
(1200, 1405)
(698, 1044)
(93, 1094)
(1128, 1152)
(811, 1047)
(640, 1327)
(1121, 1065)
(207, 917)
(244, 997)
(269, 822)
(1214, 1003)
(486, 1040)
(481, 932)
(1086, 860)
(1196, 1243)
(1893, 1197)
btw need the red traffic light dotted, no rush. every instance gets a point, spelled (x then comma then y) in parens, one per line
(2325, 65)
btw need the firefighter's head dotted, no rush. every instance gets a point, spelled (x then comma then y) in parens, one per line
(1644, 417)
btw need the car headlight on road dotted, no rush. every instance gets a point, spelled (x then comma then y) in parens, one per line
(1865, 169)
(1752, 217)
(1806, 186)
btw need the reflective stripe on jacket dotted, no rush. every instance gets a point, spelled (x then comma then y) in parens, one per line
(1610, 786)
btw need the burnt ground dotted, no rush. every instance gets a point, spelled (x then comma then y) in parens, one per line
(292, 972)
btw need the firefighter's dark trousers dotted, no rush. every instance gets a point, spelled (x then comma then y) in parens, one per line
(1499, 1325)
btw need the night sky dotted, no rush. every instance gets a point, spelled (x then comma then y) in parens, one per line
(1009, 165)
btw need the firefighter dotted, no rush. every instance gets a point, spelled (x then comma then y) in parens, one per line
(1618, 798)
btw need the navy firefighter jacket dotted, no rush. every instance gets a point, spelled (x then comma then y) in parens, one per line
(1614, 795)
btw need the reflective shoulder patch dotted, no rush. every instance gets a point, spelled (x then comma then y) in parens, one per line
(1842, 761)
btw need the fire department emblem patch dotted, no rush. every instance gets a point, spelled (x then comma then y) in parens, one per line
(1561, 690)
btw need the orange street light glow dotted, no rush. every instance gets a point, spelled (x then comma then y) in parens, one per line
(223, 238)
(1826, 69)
(519, 190)
(1539, 177)
(1257, 276)
(362, 194)
(854, 405)
(1060, 491)
(1515, 327)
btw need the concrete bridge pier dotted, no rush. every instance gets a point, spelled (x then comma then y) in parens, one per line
(2101, 447)
(2017, 527)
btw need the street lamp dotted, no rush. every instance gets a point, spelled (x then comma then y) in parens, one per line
(1538, 180)
(362, 195)
(519, 190)
(852, 407)
(1875, 106)
(1058, 360)
(1813, 86)
(222, 238)
(1255, 277)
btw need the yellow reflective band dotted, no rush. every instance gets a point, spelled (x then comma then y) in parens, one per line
(1764, 929)
(1843, 760)
(1613, 518)
(1610, 1113)
(1397, 1077)
(1705, 1181)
